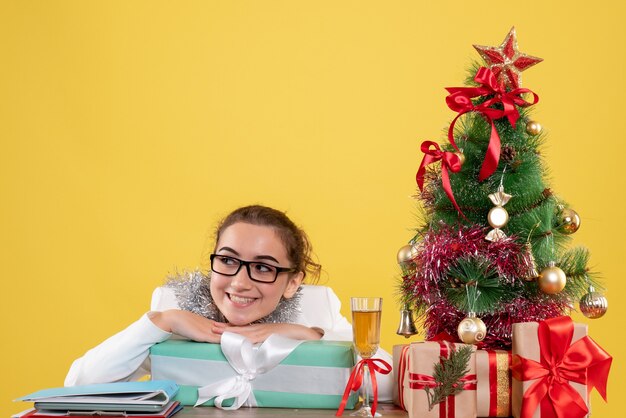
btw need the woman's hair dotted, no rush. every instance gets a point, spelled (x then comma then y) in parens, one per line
(295, 240)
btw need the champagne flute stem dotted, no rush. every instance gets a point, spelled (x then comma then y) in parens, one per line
(365, 387)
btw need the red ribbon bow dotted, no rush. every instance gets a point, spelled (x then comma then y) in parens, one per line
(584, 362)
(460, 100)
(449, 161)
(356, 380)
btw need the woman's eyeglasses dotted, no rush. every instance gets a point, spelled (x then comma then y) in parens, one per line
(259, 272)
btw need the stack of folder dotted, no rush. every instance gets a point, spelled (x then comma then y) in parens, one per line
(150, 399)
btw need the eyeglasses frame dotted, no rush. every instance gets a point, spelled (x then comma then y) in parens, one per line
(247, 264)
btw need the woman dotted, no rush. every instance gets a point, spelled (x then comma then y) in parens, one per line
(260, 261)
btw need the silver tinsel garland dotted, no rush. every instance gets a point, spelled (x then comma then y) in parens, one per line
(192, 290)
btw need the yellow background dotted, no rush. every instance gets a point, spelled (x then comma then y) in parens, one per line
(128, 128)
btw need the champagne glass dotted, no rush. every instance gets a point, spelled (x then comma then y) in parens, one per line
(366, 314)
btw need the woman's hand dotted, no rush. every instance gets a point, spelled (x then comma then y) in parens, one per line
(188, 325)
(258, 333)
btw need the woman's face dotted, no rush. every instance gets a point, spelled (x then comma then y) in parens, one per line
(240, 299)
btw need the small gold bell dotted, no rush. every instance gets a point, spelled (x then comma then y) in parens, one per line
(407, 323)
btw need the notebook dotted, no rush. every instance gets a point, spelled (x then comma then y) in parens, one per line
(148, 396)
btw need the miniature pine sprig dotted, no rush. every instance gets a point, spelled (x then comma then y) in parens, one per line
(447, 375)
(474, 278)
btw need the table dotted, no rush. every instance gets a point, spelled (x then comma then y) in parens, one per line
(388, 410)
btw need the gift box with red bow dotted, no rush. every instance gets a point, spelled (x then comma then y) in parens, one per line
(555, 365)
(415, 381)
(493, 383)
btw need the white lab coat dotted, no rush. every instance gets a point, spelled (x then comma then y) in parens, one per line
(124, 356)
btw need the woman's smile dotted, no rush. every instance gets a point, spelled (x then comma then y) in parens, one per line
(241, 301)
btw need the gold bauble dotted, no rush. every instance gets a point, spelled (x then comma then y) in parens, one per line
(461, 157)
(533, 128)
(472, 330)
(594, 304)
(498, 217)
(406, 253)
(551, 280)
(568, 221)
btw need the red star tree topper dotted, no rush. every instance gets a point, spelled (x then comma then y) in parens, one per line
(506, 61)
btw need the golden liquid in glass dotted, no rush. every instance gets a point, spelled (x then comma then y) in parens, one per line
(366, 331)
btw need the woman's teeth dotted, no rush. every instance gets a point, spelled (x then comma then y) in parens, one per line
(241, 300)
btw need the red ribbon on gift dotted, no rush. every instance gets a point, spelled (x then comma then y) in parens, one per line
(460, 100)
(449, 161)
(422, 381)
(584, 362)
(492, 356)
(403, 366)
(356, 380)
(443, 336)
(447, 408)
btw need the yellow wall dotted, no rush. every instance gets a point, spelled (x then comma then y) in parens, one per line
(128, 128)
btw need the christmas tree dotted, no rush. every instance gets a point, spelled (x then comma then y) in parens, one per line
(493, 248)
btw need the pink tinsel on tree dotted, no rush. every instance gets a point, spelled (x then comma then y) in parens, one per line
(439, 249)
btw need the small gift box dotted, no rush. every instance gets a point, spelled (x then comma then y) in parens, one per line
(493, 383)
(555, 365)
(422, 384)
(400, 377)
(281, 372)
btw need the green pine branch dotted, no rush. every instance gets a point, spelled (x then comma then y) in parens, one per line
(474, 285)
(448, 374)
